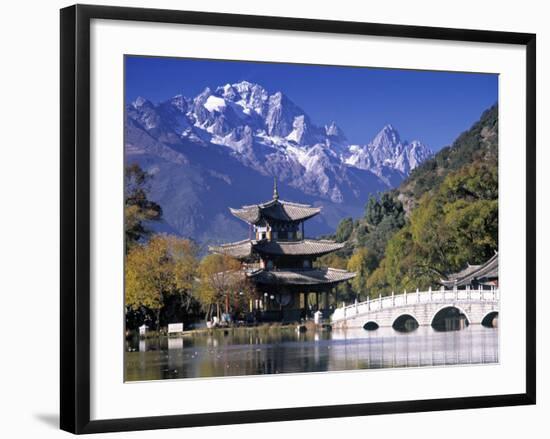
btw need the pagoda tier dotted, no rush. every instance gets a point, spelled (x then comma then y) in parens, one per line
(275, 211)
(322, 276)
(252, 249)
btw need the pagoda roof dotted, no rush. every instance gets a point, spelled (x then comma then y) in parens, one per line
(307, 247)
(239, 249)
(297, 248)
(277, 210)
(319, 276)
(488, 270)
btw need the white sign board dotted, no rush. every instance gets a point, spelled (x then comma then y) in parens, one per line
(143, 329)
(175, 327)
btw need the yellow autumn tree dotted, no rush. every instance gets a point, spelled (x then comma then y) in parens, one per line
(362, 262)
(221, 281)
(164, 266)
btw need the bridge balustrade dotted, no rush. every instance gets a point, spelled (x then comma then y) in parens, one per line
(415, 297)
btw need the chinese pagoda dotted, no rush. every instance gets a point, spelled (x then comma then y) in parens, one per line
(279, 259)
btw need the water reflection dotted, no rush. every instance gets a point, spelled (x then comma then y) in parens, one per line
(252, 351)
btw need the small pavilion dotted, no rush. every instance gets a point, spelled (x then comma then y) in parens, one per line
(483, 276)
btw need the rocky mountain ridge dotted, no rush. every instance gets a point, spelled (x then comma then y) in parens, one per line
(242, 133)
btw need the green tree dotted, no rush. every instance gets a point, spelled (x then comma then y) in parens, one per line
(373, 211)
(138, 209)
(362, 262)
(344, 229)
(377, 282)
(405, 264)
(455, 224)
(387, 206)
(334, 260)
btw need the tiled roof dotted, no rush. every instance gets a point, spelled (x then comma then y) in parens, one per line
(488, 270)
(277, 210)
(239, 250)
(297, 248)
(319, 276)
(307, 247)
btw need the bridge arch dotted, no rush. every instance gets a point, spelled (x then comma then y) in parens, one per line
(405, 323)
(449, 317)
(371, 325)
(490, 319)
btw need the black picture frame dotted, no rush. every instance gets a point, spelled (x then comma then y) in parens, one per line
(75, 217)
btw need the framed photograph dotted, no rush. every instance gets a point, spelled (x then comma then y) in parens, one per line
(275, 218)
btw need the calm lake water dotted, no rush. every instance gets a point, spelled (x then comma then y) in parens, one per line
(252, 351)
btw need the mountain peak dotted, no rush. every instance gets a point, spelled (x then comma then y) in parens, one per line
(241, 88)
(268, 133)
(205, 93)
(140, 102)
(245, 85)
(251, 97)
(180, 102)
(388, 138)
(334, 131)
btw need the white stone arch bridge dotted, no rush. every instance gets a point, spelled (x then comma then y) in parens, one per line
(477, 306)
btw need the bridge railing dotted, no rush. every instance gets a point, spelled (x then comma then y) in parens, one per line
(415, 297)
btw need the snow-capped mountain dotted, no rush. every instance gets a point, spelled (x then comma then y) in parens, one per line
(387, 154)
(242, 128)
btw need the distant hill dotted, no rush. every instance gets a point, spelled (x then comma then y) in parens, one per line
(479, 143)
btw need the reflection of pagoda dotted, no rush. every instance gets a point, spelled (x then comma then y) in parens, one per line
(279, 260)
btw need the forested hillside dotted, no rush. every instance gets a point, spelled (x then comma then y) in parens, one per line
(442, 217)
(478, 144)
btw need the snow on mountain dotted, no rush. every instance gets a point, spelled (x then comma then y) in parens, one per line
(214, 103)
(335, 134)
(266, 134)
(387, 152)
(271, 134)
(251, 97)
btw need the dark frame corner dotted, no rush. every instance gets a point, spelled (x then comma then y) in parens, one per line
(75, 217)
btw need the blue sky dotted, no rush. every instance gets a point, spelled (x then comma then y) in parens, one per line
(434, 107)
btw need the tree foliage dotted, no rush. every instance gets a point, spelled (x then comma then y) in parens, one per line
(334, 260)
(222, 282)
(138, 209)
(456, 225)
(163, 267)
(387, 206)
(478, 144)
(362, 262)
(343, 232)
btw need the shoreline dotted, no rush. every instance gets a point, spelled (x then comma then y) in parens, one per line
(302, 327)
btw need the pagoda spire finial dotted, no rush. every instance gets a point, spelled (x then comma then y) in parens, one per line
(275, 191)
